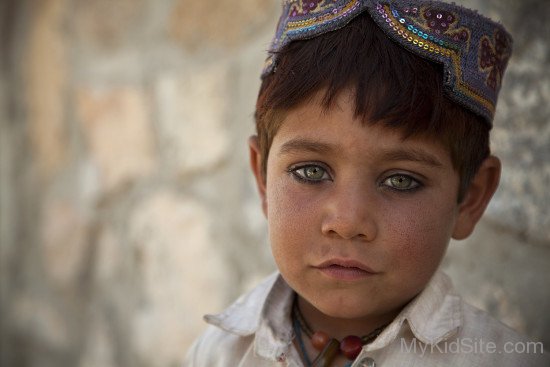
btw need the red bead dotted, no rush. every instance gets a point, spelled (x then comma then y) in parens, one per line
(351, 346)
(319, 340)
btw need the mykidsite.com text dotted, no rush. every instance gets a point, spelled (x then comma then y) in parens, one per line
(469, 345)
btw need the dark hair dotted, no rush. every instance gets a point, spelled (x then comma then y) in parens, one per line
(392, 86)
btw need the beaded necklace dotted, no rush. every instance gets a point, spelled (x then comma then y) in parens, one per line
(329, 347)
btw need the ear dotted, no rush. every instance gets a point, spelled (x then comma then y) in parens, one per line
(256, 166)
(477, 197)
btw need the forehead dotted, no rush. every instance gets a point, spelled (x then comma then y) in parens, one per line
(338, 132)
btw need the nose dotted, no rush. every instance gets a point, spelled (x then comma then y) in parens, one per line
(350, 214)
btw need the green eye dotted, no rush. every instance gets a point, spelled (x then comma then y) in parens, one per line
(314, 172)
(311, 173)
(401, 182)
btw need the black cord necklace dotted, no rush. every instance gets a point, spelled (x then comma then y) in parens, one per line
(329, 347)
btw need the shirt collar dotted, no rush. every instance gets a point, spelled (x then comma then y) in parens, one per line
(434, 315)
(263, 311)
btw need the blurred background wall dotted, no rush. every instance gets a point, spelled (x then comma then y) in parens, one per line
(127, 209)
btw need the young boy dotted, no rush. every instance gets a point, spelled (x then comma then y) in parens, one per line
(372, 152)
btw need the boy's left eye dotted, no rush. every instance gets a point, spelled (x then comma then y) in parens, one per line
(401, 182)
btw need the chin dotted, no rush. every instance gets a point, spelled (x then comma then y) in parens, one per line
(348, 308)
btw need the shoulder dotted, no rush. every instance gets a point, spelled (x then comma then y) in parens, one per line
(217, 347)
(452, 332)
(489, 338)
(477, 322)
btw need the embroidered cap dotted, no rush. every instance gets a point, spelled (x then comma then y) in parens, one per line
(473, 49)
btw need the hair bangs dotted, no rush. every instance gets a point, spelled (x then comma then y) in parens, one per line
(391, 86)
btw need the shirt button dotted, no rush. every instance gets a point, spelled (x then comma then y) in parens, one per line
(367, 362)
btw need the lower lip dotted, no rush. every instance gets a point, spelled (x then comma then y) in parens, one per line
(343, 273)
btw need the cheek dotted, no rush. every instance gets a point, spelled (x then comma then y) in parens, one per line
(418, 242)
(292, 209)
(290, 219)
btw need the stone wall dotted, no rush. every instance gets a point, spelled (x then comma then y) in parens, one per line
(127, 209)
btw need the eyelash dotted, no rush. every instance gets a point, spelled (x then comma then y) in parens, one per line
(417, 184)
(301, 178)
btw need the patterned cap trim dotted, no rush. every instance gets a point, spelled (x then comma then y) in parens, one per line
(473, 49)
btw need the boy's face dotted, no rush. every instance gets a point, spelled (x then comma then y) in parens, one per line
(358, 218)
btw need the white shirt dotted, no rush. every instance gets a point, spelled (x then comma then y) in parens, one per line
(436, 329)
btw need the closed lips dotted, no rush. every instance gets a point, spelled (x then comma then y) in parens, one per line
(348, 264)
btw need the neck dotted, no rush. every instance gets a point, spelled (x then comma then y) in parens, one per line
(338, 327)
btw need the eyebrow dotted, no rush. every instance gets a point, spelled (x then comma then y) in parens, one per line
(413, 155)
(393, 155)
(305, 145)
